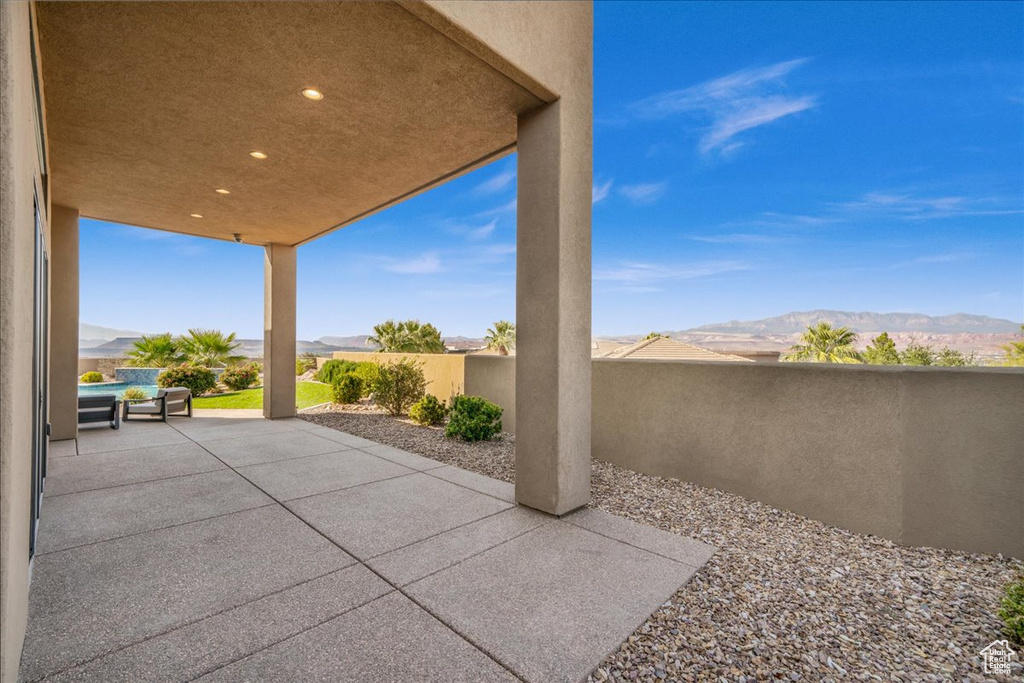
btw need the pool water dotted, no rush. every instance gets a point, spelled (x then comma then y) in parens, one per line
(113, 388)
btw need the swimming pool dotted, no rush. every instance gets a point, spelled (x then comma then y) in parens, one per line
(113, 388)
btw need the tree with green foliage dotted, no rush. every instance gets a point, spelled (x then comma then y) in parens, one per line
(951, 358)
(823, 343)
(155, 351)
(654, 335)
(917, 354)
(882, 351)
(210, 348)
(1014, 352)
(407, 336)
(502, 337)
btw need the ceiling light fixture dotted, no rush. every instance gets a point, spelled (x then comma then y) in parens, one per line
(196, 215)
(238, 238)
(312, 94)
(221, 190)
(257, 155)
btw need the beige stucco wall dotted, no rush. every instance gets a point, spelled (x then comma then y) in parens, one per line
(19, 176)
(279, 271)
(64, 323)
(494, 378)
(444, 372)
(923, 456)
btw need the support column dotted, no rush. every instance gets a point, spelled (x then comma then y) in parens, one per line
(279, 331)
(63, 251)
(553, 307)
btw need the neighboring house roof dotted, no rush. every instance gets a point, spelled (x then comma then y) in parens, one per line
(600, 347)
(664, 348)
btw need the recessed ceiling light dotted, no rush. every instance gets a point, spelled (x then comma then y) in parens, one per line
(221, 190)
(312, 94)
(196, 215)
(257, 155)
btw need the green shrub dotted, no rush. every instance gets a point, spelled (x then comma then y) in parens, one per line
(399, 384)
(368, 372)
(239, 377)
(133, 394)
(196, 378)
(348, 388)
(473, 418)
(305, 363)
(91, 377)
(428, 411)
(333, 369)
(1012, 611)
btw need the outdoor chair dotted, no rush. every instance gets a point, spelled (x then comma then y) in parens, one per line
(166, 402)
(102, 408)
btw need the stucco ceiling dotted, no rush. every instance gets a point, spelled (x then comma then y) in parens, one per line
(152, 106)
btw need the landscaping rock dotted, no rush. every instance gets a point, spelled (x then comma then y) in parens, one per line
(784, 598)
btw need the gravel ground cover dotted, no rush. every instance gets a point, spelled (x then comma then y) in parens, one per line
(785, 598)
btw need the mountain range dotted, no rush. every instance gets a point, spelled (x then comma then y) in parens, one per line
(969, 333)
(866, 322)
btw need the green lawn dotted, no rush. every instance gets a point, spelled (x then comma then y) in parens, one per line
(306, 394)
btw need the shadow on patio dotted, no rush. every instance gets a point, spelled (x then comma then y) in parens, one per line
(236, 548)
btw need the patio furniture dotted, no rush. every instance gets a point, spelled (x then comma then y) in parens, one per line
(166, 402)
(101, 408)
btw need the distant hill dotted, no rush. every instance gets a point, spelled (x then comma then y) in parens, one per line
(253, 348)
(98, 333)
(353, 343)
(793, 323)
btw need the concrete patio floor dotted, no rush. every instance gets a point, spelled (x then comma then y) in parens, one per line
(239, 549)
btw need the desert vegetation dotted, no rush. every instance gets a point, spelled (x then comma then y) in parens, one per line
(823, 343)
(407, 336)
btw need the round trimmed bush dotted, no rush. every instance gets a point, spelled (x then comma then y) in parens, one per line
(399, 384)
(347, 389)
(239, 377)
(368, 371)
(473, 418)
(197, 379)
(91, 377)
(333, 369)
(428, 411)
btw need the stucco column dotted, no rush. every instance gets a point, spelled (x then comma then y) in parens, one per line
(553, 307)
(279, 331)
(63, 250)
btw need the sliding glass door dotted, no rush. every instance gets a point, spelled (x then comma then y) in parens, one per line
(40, 377)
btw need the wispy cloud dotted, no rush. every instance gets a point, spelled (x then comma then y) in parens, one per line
(429, 262)
(643, 193)
(504, 208)
(910, 207)
(599, 192)
(636, 274)
(496, 183)
(738, 102)
(736, 238)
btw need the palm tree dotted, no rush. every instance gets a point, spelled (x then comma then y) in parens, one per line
(501, 337)
(210, 348)
(823, 343)
(408, 336)
(155, 351)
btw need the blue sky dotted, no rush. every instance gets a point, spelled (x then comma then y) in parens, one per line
(749, 160)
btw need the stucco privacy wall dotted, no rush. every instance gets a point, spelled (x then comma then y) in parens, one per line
(494, 378)
(19, 178)
(922, 456)
(444, 372)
